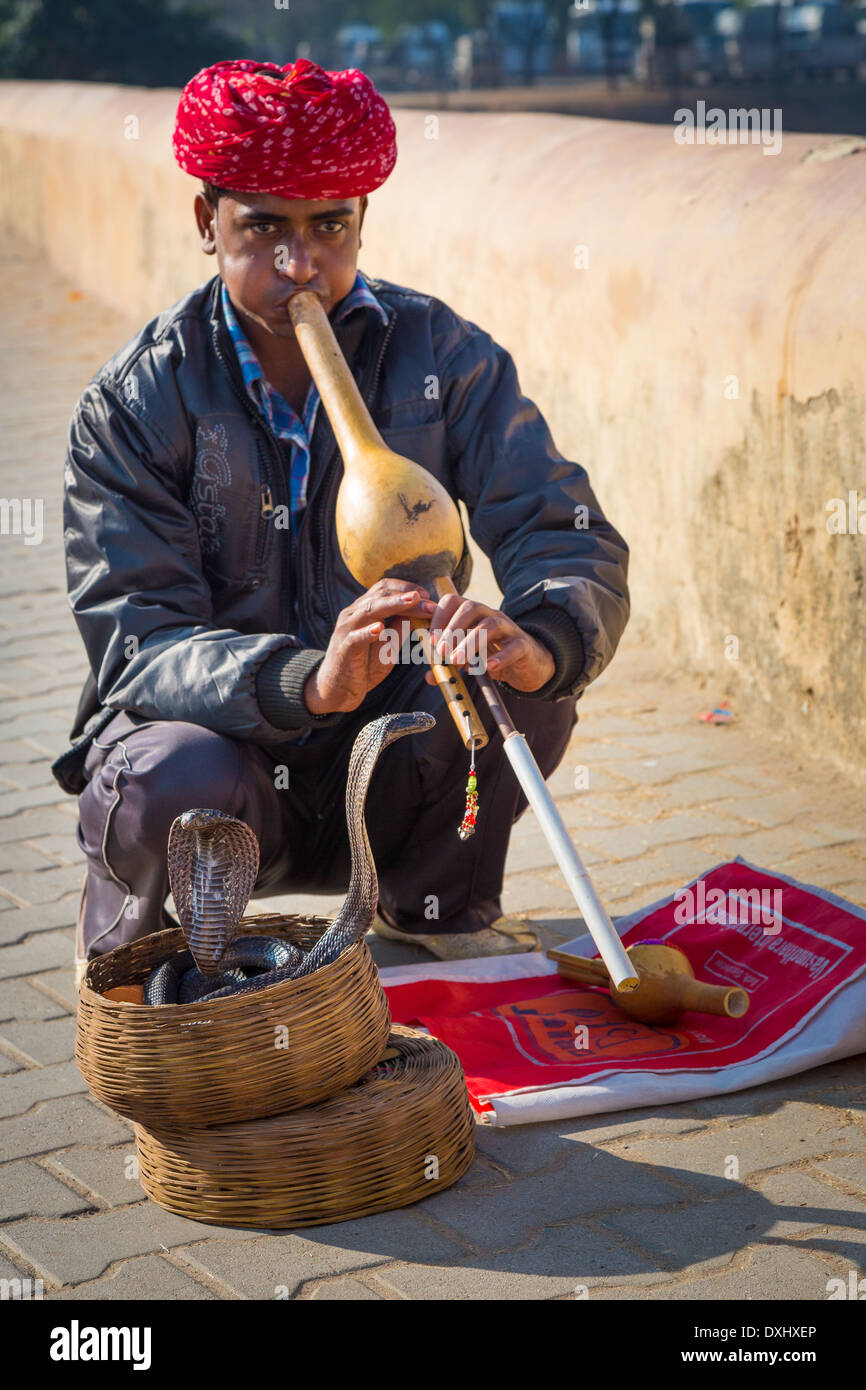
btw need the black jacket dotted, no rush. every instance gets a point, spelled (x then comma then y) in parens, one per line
(186, 594)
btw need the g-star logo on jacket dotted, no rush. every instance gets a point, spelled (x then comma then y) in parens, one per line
(212, 474)
(168, 542)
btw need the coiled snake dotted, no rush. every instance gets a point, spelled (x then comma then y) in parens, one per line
(213, 861)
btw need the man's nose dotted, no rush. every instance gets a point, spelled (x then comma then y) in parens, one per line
(293, 261)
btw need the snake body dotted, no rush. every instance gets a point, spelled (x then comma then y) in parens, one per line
(213, 863)
(179, 981)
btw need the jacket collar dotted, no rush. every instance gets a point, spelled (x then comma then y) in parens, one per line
(360, 334)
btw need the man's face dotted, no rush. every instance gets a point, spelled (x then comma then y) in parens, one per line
(268, 247)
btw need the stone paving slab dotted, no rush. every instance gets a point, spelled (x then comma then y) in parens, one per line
(840, 1084)
(795, 1133)
(8, 1270)
(345, 1289)
(109, 1177)
(631, 1204)
(853, 891)
(41, 1042)
(47, 917)
(58, 849)
(559, 1263)
(803, 1200)
(46, 952)
(635, 842)
(60, 985)
(18, 859)
(656, 772)
(13, 802)
(537, 892)
(35, 823)
(708, 1233)
(265, 1268)
(842, 1249)
(528, 1149)
(703, 1233)
(769, 1272)
(72, 1119)
(28, 1190)
(838, 868)
(21, 1092)
(847, 1169)
(77, 1250)
(586, 1182)
(722, 791)
(44, 886)
(142, 1280)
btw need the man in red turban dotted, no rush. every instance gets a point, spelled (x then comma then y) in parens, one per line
(234, 657)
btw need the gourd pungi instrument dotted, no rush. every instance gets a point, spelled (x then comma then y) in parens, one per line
(667, 987)
(395, 520)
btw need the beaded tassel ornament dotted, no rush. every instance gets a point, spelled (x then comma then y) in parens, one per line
(470, 815)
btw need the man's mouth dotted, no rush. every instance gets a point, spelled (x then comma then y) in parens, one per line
(284, 303)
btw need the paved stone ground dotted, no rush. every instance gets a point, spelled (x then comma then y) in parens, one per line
(628, 1205)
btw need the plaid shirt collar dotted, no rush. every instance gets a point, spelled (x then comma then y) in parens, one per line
(283, 420)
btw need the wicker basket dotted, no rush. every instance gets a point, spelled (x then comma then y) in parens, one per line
(406, 1130)
(213, 1063)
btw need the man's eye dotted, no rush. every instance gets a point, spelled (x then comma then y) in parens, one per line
(264, 227)
(332, 227)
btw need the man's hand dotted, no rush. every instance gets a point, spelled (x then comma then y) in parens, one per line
(354, 662)
(512, 655)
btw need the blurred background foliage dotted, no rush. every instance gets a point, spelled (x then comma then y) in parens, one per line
(454, 48)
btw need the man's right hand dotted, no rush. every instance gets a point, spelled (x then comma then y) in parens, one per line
(355, 661)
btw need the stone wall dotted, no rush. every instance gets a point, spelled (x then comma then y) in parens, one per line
(691, 320)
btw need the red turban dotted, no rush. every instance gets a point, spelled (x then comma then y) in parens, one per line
(295, 131)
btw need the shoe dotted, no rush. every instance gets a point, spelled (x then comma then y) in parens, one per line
(506, 936)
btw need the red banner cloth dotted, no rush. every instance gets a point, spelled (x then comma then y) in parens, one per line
(789, 946)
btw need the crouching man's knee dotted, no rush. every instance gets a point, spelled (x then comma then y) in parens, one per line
(144, 778)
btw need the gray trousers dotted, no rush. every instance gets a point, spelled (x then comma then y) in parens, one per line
(141, 774)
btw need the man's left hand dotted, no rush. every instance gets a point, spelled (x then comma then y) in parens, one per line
(459, 629)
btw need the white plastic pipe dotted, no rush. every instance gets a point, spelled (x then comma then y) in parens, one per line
(598, 924)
